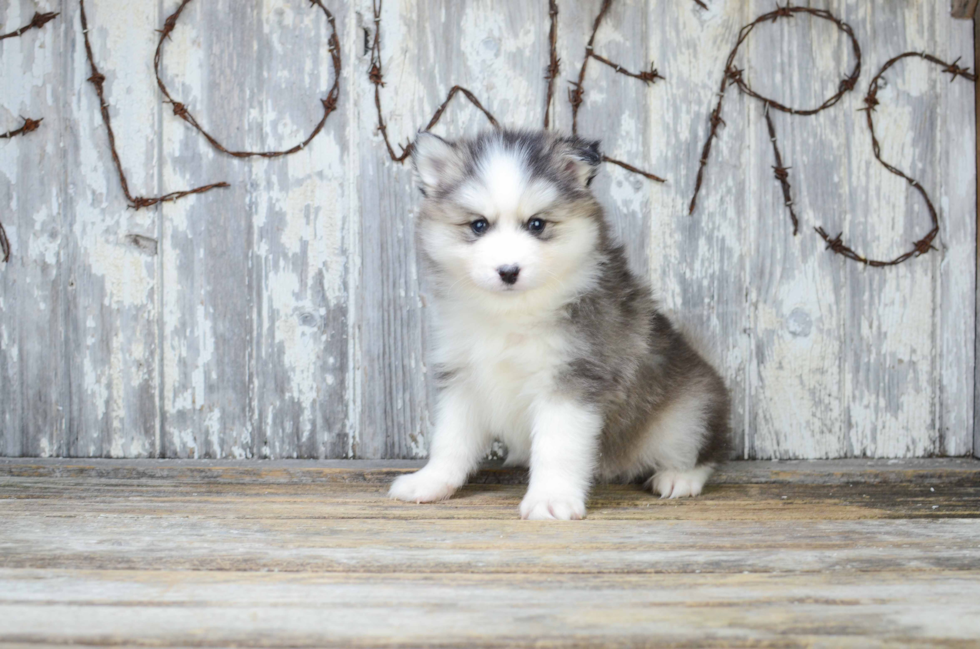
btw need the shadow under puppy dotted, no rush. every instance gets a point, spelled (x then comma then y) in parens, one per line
(544, 339)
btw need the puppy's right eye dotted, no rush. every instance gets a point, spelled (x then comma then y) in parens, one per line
(479, 226)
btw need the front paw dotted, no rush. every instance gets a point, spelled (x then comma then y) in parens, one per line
(542, 506)
(422, 487)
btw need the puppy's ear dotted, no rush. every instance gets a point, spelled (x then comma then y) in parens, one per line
(436, 161)
(580, 158)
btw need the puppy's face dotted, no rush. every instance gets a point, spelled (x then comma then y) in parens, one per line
(507, 212)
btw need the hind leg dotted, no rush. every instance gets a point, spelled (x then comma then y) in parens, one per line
(686, 441)
(678, 484)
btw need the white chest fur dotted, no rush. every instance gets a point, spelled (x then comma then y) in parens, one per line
(504, 362)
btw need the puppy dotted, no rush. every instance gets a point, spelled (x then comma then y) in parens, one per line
(543, 337)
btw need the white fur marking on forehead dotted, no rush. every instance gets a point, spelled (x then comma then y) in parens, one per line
(504, 174)
(538, 195)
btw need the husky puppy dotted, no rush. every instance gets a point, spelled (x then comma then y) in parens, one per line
(543, 337)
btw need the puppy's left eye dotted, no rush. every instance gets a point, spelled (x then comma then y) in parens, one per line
(536, 225)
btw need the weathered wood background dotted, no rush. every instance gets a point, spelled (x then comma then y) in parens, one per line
(284, 317)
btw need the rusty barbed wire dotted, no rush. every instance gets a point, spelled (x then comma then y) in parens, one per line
(782, 172)
(734, 76)
(700, 4)
(554, 63)
(4, 244)
(923, 245)
(181, 110)
(98, 80)
(577, 92)
(37, 22)
(28, 126)
(376, 75)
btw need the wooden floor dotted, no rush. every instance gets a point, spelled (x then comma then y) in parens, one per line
(294, 554)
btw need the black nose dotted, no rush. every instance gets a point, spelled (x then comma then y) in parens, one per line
(509, 273)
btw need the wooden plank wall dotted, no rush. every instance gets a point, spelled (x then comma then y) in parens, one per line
(976, 384)
(284, 317)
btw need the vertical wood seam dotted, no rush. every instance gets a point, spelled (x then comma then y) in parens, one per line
(939, 445)
(158, 265)
(976, 304)
(67, 29)
(748, 360)
(353, 234)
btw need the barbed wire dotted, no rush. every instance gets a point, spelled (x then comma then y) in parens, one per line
(923, 245)
(98, 80)
(37, 22)
(28, 126)
(734, 76)
(554, 63)
(181, 110)
(576, 93)
(376, 75)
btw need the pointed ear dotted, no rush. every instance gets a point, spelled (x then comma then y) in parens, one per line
(580, 158)
(436, 161)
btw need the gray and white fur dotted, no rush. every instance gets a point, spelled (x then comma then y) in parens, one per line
(544, 339)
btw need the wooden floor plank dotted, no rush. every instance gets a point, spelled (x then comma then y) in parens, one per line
(298, 554)
(494, 502)
(110, 542)
(162, 608)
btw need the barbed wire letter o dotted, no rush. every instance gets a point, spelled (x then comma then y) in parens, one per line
(180, 110)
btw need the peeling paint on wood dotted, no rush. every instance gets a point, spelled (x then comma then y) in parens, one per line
(284, 316)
